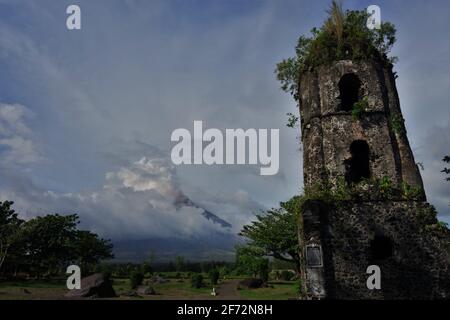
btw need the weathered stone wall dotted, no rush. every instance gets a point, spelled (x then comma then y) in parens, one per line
(313, 157)
(328, 79)
(340, 131)
(327, 131)
(417, 269)
(408, 168)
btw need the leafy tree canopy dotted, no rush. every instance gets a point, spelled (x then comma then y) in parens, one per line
(9, 228)
(48, 243)
(251, 260)
(343, 35)
(89, 248)
(275, 233)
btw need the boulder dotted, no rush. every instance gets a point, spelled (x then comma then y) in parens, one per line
(158, 279)
(251, 283)
(26, 291)
(94, 286)
(145, 290)
(131, 293)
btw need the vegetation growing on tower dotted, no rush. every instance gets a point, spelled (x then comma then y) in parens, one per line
(343, 35)
(446, 170)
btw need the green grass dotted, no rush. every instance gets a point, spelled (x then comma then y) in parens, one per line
(55, 289)
(167, 290)
(39, 289)
(281, 291)
(173, 289)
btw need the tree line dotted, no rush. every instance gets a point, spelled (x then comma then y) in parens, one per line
(46, 245)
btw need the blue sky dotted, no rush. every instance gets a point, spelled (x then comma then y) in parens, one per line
(82, 109)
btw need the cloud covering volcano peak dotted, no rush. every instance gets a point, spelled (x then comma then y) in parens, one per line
(138, 201)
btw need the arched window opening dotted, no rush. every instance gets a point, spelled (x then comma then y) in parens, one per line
(380, 248)
(349, 91)
(357, 167)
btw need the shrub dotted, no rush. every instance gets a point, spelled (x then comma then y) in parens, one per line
(410, 192)
(136, 279)
(264, 270)
(397, 124)
(343, 35)
(197, 280)
(286, 275)
(385, 187)
(292, 120)
(359, 107)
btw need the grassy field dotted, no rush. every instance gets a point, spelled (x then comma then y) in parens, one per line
(275, 291)
(32, 289)
(168, 290)
(55, 289)
(173, 289)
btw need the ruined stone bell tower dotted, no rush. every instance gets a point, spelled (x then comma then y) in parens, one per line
(356, 148)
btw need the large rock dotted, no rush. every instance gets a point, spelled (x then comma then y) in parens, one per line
(158, 279)
(145, 290)
(94, 286)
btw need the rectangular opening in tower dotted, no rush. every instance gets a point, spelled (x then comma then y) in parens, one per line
(349, 86)
(357, 167)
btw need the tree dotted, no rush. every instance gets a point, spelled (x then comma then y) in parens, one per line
(250, 260)
(446, 170)
(275, 233)
(50, 242)
(47, 243)
(90, 249)
(197, 280)
(9, 229)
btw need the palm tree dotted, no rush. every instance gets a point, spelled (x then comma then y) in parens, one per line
(335, 24)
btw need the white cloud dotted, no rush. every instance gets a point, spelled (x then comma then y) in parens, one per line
(136, 74)
(137, 201)
(435, 146)
(17, 144)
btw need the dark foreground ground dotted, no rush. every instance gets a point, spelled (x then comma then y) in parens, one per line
(173, 289)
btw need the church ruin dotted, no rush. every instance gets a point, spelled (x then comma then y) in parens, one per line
(384, 220)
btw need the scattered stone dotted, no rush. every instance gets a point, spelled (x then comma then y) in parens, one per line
(95, 286)
(158, 279)
(26, 291)
(145, 290)
(130, 293)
